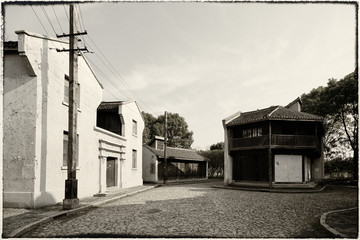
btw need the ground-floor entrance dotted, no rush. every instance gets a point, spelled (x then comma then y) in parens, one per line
(251, 166)
(110, 172)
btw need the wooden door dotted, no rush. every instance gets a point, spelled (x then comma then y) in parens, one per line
(110, 172)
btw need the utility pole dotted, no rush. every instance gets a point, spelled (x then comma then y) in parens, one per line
(71, 184)
(165, 143)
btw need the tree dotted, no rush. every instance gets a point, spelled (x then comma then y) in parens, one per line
(216, 161)
(338, 104)
(148, 132)
(219, 145)
(178, 134)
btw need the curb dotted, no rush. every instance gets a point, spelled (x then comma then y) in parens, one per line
(33, 225)
(272, 190)
(330, 229)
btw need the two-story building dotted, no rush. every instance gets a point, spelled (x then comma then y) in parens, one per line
(273, 145)
(35, 112)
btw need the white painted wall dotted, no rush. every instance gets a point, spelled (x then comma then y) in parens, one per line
(36, 117)
(288, 168)
(19, 157)
(130, 112)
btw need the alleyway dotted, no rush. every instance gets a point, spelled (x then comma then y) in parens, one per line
(197, 210)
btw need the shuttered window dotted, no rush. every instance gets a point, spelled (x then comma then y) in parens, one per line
(134, 159)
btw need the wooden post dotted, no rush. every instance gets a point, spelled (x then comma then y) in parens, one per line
(71, 201)
(270, 158)
(165, 144)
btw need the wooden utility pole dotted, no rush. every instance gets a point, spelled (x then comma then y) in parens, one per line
(270, 158)
(165, 144)
(71, 184)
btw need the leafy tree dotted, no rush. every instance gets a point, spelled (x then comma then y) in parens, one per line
(219, 145)
(216, 161)
(178, 134)
(148, 129)
(339, 166)
(338, 104)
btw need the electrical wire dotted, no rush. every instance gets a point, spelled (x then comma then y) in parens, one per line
(58, 20)
(39, 20)
(66, 14)
(46, 15)
(116, 74)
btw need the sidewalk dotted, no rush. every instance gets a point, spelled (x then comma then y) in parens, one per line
(342, 223)
(18, 221)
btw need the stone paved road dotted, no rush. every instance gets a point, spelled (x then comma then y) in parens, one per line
(197, 210)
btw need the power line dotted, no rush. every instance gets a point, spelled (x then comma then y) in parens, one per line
(57, 20)
(39, 20)
(82, 20)
(108, 78)
(66, 13)
(46, 15)
(81, 23)
(113, 70)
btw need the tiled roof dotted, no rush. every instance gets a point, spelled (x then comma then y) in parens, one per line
(273, 113)
(11, 45)
(178, 154)
(109, 106)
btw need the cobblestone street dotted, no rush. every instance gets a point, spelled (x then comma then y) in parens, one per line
(197, 210)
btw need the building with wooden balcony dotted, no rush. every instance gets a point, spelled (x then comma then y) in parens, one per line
(274, 145)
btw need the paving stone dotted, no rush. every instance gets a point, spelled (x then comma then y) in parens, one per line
(197, 210)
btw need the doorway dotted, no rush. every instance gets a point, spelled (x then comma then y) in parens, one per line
(110, 172)
(288, 168)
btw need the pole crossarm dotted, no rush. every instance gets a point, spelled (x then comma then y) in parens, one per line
(74, 34)
(68, 50)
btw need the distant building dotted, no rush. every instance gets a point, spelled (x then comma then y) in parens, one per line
(274, 145)
(36, 123)
(182, 164)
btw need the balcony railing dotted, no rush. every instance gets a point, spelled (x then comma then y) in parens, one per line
(276, 140)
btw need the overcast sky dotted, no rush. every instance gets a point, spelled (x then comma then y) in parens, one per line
(206, 61)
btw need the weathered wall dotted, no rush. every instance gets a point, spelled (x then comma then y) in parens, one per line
(148, 159)
(36, 108)
(19, 158)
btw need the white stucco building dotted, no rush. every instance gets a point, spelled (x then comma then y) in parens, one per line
(35, 112)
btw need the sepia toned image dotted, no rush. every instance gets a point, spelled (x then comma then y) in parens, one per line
(180, 119)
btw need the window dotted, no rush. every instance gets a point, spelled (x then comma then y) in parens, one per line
(252, 132)
(65, 149)
(134, 128)
(66, 91)
(134, 159)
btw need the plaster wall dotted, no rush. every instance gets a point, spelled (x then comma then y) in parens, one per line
(132, 176)
(109, 145)
(148, 159)
(37, 118)
(19, 157)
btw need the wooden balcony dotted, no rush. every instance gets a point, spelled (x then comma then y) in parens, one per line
(288, 141)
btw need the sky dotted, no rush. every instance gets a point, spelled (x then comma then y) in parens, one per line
(204, 60)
